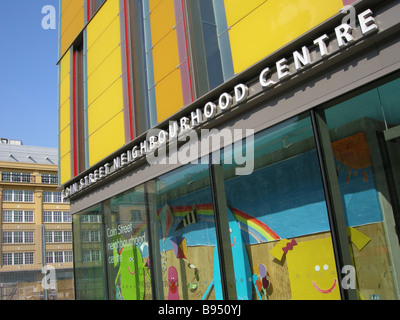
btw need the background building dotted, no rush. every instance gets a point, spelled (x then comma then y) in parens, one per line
(35, 225)
(292, 192)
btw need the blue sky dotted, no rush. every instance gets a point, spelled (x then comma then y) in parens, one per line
(28, 73)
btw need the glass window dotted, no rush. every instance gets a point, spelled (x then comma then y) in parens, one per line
(7, 195)
(28, 216)
(57, 216)
(7, 216)
(49, 257)
(206, 45)
(58, 236)
(187, 233)
(67, 217)
(280, 232)
(28, 196)
(28, 236)
(18, 258)
(47, 216)
(7, 259)
(16, 177)
(128, 248)
(18, 237)
(49, 178)
(363, 138)
(68, 236)
(28, 257)
(89, 261)
(7, 237)
(18, 216)
(48, 236)
(58, 257)
(68, 256)
(47, 196)
(18, 195)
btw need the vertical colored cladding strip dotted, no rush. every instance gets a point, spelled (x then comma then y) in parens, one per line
(286, 20)
(64, 122)
(88, 10)
(71, 113)
(184, 60)
(74, 113)
(59, 98)
(140, 101)
(127, 64)
(150, 83)
(85, 100)
(223, 39)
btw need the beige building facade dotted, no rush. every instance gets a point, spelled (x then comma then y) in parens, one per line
(36, 258)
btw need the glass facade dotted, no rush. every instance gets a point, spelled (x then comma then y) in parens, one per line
(315, 219)
(364, 152)
(89, 257)
(128, 263)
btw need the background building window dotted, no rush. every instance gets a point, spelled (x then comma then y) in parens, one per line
(16, 177)
(53, 197)
(17, 216)
(49, 178)
(18, 258)
(17, 196)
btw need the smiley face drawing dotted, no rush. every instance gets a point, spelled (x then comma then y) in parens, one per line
(312, 270)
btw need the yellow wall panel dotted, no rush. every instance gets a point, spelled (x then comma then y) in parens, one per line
(65, 90)
(106, 106)
(169, 95)
(237, 9)
(103, 46)
(165, 56)
(274, 24)
(65, 168)
(104, 17)
(154, 3)
(65, 115)
(65, 66)
(107, 139)
(105, 75)
(72, 21)
(65, 141)
(162, 20)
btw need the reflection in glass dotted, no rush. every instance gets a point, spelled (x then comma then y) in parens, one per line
(363, 137)
(281, 212)
(187, 233)
(127, 247)
(89, 261)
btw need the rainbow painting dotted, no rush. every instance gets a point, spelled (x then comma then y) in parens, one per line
(259, 230)
(247, 223)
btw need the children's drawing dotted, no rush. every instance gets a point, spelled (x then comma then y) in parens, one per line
(173, 293)
(189, 219)
(130, 277)
(241, 265)
(166, 219)
(312, 268)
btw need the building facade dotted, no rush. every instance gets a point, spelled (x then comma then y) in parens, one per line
(224, 149)
(36, 229)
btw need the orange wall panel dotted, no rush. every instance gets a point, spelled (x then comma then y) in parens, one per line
(72, 22)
